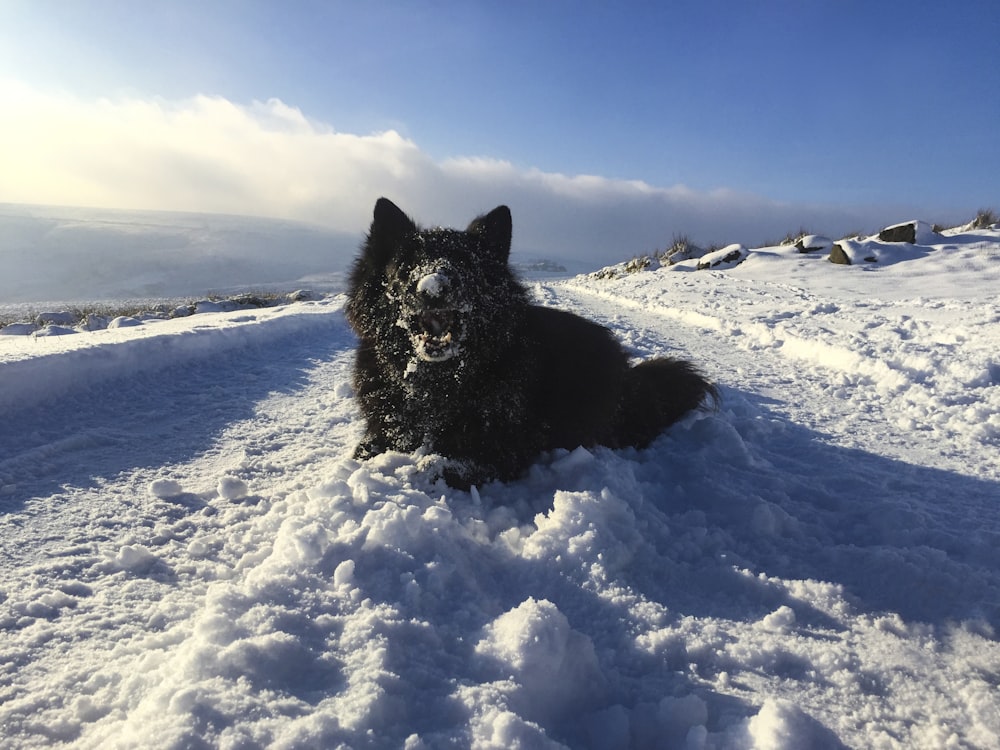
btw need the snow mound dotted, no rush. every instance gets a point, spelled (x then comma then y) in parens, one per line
(232, 488)
(164, 488)
(356, 611)
(134, 558)
(33, 369)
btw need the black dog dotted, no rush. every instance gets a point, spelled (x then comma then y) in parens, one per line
(454, 358)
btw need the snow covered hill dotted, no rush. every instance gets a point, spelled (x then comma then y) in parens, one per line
(58, 253)
(190, 557)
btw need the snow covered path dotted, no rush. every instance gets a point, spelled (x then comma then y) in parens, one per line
(191, 559)
(98, 539)
(837, 427)
(903, 374)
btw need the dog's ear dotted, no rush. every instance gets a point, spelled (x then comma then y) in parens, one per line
(389, 226)
(495, 230)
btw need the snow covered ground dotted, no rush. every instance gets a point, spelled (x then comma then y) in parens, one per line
(190, 558)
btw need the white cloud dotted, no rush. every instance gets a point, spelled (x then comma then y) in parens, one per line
(208, 154)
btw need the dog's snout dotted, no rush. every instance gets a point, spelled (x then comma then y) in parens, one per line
(433, 285)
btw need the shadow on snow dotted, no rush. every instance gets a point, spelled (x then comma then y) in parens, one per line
(151, 419)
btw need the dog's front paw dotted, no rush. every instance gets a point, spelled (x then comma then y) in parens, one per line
(368, 449)
(457, 473)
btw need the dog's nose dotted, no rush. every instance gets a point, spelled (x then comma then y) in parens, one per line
(433, 284)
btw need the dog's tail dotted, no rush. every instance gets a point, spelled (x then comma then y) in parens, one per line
(657, 393)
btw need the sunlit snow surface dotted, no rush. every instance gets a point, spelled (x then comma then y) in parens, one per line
(190, 557)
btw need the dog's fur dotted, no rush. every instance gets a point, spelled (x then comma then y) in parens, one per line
(454, 359)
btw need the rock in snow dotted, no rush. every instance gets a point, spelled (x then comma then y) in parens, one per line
(813, 243)
(914, 232)
(728, 257)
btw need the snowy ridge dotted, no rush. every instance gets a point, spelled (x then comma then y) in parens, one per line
(191, 557)
(36, 368)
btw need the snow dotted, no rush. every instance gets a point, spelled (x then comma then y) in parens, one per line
(191, 557)
(432, 284)
(38, 366)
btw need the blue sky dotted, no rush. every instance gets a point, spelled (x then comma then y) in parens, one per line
(838, 112)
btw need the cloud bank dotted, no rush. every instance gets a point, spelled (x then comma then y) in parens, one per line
(268, 159)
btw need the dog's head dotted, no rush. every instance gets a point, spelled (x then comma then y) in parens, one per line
(443, 292)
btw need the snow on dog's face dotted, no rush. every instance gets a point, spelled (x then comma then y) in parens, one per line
(430, 308)
(442, 292)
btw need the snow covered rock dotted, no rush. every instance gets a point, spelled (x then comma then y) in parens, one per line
(728, 257)
(682, 249)
(214, 306)
(851, 252)
(18, 329)
(94, 322)
(814, 243)
(64, 318)
(914, 232)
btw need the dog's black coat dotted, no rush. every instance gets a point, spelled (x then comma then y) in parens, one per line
(454, 359)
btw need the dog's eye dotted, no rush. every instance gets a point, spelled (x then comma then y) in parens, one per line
(393, 287)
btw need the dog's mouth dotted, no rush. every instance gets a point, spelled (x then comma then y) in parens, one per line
(434, 335)
(429, 316)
